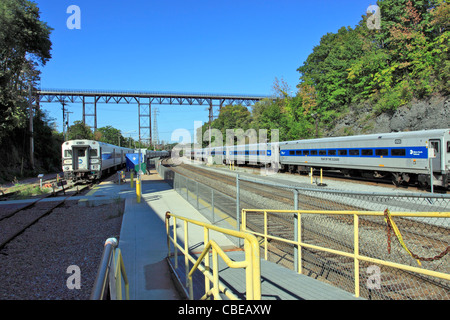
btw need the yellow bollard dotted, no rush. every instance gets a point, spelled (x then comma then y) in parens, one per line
(321, 175)
(311, 175)
(138, 189)
(132, 178)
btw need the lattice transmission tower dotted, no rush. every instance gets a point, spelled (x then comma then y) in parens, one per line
(155, 127)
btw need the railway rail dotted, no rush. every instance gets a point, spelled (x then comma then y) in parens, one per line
(14, 223)
(337, 270)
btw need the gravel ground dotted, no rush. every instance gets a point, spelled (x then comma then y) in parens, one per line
(34, 266)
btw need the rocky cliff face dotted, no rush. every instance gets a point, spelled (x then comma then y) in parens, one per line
(432, 113)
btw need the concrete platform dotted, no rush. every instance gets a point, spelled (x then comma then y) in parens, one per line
(143, 239)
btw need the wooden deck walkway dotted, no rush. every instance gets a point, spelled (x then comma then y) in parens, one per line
(277, 282)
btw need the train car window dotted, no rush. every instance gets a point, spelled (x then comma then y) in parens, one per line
(68, 153)
(81, 153)
(342, 152)
(448, 146)
(291, 152)
(353, 152)
(263, 153)
(322, 152)
(435, 145)
(314, 152)
(298, 152)
(381, 152)
(398, 152)
(367, 152)
(331, 152)
(305, 152)
(93, 153)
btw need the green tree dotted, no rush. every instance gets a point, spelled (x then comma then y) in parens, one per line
(79, 130)
(24, 44)
(230, 117)
(111, 135)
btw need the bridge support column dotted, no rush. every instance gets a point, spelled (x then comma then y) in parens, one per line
(145, 121)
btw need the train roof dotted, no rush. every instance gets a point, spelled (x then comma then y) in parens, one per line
(392, 135)
(89, 142)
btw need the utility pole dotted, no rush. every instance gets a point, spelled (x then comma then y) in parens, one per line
(64, 118)
(67, 122)
(31, 126)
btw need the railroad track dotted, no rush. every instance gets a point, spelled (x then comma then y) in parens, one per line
(16, 222)
(326, 267)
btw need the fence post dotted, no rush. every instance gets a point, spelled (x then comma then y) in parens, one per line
(356, 252)
(187, 190)
(197, 193)
(238, 220)
(296, 265)
(212, 204)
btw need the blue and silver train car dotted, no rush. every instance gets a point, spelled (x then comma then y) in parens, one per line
(402, 155)
(89, 160)
(253, 154)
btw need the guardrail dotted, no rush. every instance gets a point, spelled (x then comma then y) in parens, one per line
(364, 231)
(108, 283)
(251, 264)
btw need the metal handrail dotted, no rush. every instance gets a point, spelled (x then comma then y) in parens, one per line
(298, 243)
(110, 290)
(251, 262)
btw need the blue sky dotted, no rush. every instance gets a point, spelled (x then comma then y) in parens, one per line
(202, 46)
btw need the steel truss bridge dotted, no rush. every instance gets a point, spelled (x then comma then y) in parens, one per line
(89, 99)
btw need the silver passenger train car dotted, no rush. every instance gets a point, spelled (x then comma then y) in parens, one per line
(406, 157)
(89, 159)
(253, 154)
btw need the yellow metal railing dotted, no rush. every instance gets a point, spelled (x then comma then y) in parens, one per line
(251, 263)
(356, 252)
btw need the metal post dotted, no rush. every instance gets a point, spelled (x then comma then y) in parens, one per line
(138, 189)
(101, 281)
(431, 175)
(187, 190)
(238, 220)
(131, 178)
(295, 229)
(212, 204)
(31, 127)
(197, 193)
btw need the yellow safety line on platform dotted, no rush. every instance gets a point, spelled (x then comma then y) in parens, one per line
(94, 190)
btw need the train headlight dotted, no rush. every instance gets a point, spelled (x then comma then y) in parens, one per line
(94, 160)
(69, 161)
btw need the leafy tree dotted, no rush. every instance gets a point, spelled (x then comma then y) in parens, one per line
(79, 130)
(24, 44)
(111, 135)
(407, 58)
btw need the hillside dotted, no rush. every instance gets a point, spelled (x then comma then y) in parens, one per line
(431, 113)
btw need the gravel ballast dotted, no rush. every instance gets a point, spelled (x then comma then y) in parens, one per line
(40, 264)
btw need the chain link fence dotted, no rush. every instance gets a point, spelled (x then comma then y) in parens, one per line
(424, 237)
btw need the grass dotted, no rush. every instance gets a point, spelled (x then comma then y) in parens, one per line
(26, 191)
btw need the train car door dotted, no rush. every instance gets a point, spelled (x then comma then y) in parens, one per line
(81, 158)
(436, 145)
